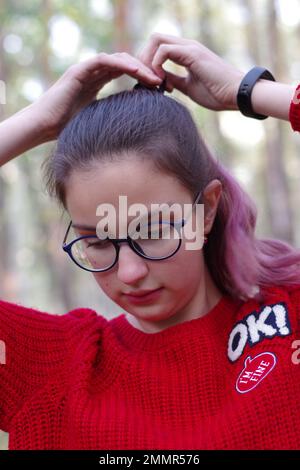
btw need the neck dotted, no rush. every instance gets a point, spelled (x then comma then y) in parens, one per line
(204, 300)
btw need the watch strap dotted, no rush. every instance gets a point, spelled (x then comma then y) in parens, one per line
(245, 91)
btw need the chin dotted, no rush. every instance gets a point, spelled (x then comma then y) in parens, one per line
(150, 314)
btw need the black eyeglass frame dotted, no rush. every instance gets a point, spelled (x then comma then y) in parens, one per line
(67, 247)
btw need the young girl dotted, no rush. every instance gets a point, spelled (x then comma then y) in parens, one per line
(203, 356)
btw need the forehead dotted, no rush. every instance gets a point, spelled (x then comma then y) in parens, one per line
(138, 180)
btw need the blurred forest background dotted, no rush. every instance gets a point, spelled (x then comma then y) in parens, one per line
(39, 39)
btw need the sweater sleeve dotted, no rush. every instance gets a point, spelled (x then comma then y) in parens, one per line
(294, 111)
(34, 346)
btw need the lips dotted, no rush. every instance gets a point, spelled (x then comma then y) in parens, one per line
(140, 293)
(143, 296)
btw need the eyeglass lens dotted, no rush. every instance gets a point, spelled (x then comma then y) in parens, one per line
(158, 241)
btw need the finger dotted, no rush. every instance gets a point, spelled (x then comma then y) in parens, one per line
(111, 74)
(156, 39)
(175, 81)
(181, 55)
(147, 53)
(104, 80)
(94, 64)
(97, 77)
(85, 75)
(122, 62)
(143, 72)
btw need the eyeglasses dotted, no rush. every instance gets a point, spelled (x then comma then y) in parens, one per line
(93, 254)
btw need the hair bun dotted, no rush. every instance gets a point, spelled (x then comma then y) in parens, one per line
(161, 88)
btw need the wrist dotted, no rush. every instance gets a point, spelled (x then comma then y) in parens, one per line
(244, 95)
(40, 130)
(260, 96)
(272, 99)
(20, 133)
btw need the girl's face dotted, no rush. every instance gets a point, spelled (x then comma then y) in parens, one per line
(183, 286)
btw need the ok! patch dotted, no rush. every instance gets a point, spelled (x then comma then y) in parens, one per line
(269, 322)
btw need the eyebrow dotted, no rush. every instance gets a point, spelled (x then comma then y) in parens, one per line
(84, 227)
(93, 229)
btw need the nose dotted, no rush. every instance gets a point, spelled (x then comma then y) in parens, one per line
(131, 267)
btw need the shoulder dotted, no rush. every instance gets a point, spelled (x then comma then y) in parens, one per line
(38, 344)
(32, 314)
(293, 292)
(289, 294)
(40, 347)
(28, 326)
(275, 311)
(274, 316)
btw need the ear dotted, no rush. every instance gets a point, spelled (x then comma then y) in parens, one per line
(211, 197)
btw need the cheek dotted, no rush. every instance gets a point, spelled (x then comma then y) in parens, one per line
(183, 271)
(106, 282)
(180, 273)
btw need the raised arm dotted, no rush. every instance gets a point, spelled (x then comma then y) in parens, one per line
(19, 133)
(211, 81)
(29, 362)
(43, 120)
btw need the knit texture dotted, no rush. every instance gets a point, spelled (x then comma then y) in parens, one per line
(80, 381)
(294, 111)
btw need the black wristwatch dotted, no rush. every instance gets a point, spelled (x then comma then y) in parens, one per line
(245, 90)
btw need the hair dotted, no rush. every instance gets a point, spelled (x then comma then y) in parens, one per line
(159, 128)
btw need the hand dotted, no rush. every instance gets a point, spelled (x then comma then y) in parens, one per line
(210, 81)
(79, 85)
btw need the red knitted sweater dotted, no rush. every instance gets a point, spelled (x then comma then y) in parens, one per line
(227, 380)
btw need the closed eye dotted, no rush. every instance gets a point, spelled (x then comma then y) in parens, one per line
(98, 243)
